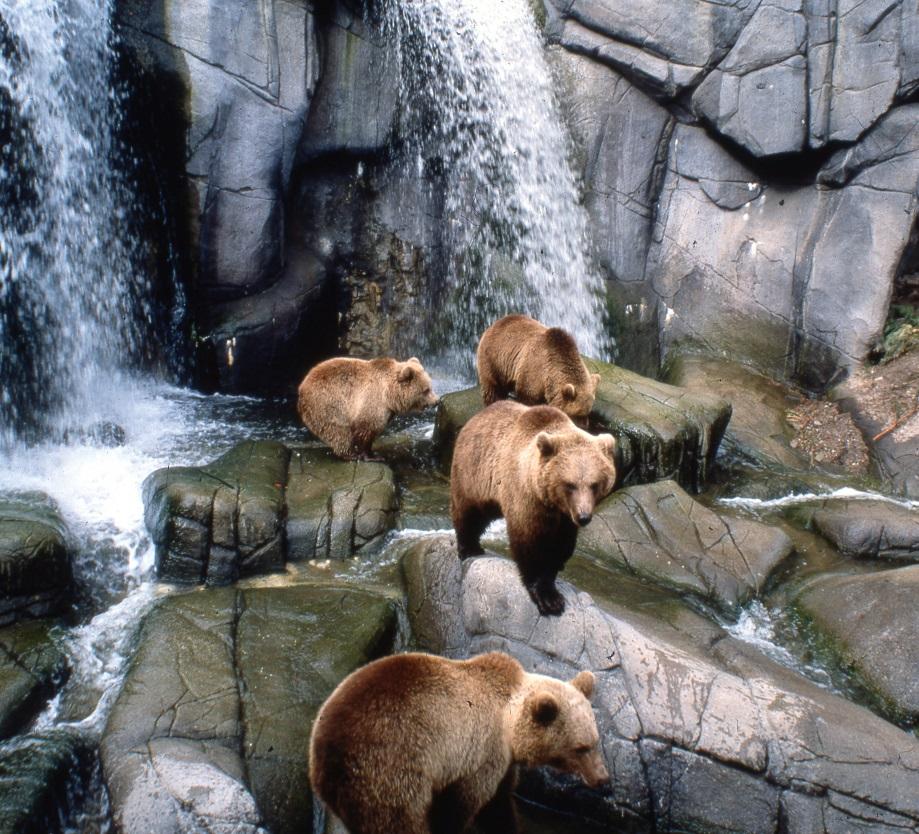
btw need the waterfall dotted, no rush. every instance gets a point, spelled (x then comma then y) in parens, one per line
(481, 121)
(71, 295)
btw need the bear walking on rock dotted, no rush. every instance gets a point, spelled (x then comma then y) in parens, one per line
(417, 744)
(538, 364)
(543, 474)
(348, 402)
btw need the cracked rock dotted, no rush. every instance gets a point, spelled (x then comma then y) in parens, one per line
(210, 731)
(659, 532)
(701, 734)
(873, 529)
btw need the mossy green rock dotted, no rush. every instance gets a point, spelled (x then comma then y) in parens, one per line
(871, 624)
(35, 575)
(31, 665)
(34, 778)
(663, 431)
(215, 713)
(218, 522)
(659, 532)
(335, 507)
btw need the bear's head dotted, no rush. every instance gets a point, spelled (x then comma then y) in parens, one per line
(411, 389)
(576, 471)
(576, 399)
(555, 726)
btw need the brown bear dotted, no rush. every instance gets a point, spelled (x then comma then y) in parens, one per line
(543, 474)
(538, 364)
(348, 402)
(418, 744)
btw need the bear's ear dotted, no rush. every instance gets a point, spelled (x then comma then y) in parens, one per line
(414, 359)
(544, 708)
(546, 444)
(608, 444)
(406, 373)
(584, 683)
(569, 392)
(595, 378)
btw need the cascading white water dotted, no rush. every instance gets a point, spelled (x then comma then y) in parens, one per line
(71, 297)
(481, 120)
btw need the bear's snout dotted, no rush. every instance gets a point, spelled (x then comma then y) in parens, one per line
(594, 773)
(583, 519)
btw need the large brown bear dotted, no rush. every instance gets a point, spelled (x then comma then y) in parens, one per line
(417, 744)
(538, 364)
(543, 474)
(348, 402)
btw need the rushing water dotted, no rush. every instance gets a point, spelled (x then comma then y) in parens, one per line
(482, 120)
(72, 300)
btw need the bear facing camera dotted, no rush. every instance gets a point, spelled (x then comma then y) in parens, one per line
(347, 402)
(418, 744)
(545, 475)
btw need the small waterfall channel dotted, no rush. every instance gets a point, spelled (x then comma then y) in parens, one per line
(481, 117)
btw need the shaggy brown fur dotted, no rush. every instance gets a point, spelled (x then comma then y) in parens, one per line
(348, 402)
(543, 474)
(538, 364)
(417, 744)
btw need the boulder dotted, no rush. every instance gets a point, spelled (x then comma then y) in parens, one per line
(873, 529)
(335, 507)
(660, 533)
(218, 522)
(32, 666)
(211, 726)
(701, 735)
(38, 775)
(871, 624)
(663, 431)
(35, 571)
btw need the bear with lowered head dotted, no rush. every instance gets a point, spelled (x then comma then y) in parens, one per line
(418, 744)
(538, 364)
(347, 402)
(539, 471)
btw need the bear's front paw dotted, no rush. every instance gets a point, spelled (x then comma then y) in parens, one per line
(469, 552)
(548, 599)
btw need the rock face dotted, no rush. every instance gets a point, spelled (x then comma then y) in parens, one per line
(871, 624)
(212, 726)
(726, 252)
(659, 532)
(705, 736)
(35, 575)
(663, 431)
(261, 505)
(873, 529)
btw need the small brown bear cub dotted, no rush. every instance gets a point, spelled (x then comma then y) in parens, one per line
(543, 474)
(348, 402)
(417, 744)
(538, 364)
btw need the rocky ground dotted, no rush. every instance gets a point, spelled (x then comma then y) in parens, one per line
(281, 569)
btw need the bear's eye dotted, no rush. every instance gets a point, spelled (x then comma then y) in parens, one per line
(571, 487)
(583, 750)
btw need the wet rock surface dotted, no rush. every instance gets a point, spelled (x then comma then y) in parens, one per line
(681, 721)
(870, 623)
(261, 505)
(870, 529)
(661, 533)
(32, 666)
(35, 573)
(213, 722)
(335, 507)
(663, 431)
